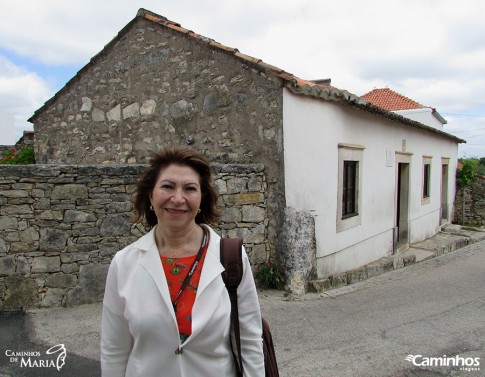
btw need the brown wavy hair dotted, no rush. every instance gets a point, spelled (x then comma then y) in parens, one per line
(184, 156)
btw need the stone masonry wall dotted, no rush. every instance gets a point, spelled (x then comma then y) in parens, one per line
(60, 225)
(153, 86)
(474, 203)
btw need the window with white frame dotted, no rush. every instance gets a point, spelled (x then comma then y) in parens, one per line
(349, 186)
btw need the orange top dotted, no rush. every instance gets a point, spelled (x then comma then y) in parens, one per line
(175, 270)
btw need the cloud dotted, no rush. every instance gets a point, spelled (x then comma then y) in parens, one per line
(59, 32)
(21, 93)
(7, 129)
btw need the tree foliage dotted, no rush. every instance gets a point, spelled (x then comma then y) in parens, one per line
(466, 175)
(481, 166)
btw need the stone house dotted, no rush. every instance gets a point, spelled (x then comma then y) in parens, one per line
(343, 177)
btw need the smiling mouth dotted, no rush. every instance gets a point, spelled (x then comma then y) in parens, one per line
(175, 211)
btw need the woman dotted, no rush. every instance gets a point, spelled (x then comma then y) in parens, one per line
(154, 323)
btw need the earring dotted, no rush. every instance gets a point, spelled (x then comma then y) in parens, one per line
(199, 210)
(151, 208)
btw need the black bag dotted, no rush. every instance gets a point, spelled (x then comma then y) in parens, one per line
(231, 259)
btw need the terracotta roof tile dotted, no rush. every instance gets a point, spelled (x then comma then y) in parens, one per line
(222, 47)
(152, 17)
(247, 57)
(271, 67)
(389, 100)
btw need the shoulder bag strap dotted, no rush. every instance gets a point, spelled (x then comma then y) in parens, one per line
(231, 259)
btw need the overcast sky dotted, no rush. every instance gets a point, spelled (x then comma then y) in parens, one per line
(432, 51)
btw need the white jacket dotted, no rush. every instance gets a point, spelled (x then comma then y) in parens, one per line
(139, 333)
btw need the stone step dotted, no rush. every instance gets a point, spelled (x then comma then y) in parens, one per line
(370, 270)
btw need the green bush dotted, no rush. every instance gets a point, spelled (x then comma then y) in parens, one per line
(466, 175)
(270, 275)
(23, 157)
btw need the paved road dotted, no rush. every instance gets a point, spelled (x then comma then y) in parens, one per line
(434, 308)
(15, 337)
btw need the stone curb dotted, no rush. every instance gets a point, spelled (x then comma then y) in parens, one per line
(450, 238)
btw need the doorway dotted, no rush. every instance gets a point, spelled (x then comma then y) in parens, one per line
(402, 207)
(444, 193)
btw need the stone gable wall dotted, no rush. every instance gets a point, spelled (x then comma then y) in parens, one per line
(152, 87)
(60, 225)
(474, 203)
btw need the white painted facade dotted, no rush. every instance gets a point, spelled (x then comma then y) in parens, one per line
(426, 115)
(316, 133)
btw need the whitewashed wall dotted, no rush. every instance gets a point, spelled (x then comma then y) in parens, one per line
(424, 116)
(313, 130)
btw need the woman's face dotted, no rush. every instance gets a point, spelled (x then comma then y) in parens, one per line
(176, 196)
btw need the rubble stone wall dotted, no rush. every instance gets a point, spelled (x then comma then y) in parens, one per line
(474, 203)
(60, 226)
